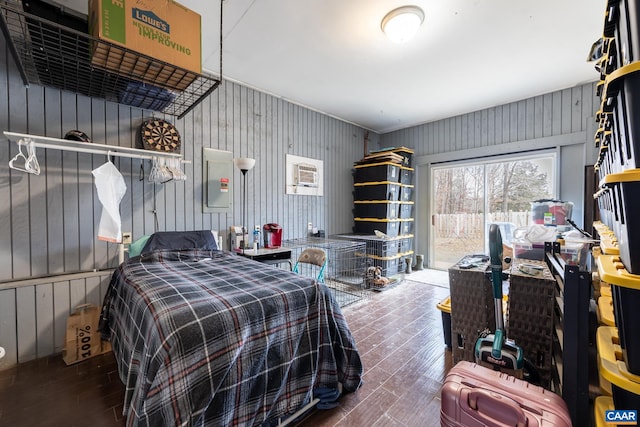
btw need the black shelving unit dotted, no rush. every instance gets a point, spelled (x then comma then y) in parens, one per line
(571, 338)
(50, 54)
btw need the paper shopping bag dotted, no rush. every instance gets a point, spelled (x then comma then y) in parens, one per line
(82, 338)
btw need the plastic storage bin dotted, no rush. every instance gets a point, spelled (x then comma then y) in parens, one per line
(389, 265)
(609, 61)
(406, 210)
(622, 21)
(376, 191)
(608, 241)
(575, 254)
(376, 209)
(605, 311)
(603, 199)
(625, 386)
(445, 308)
(624, 189)
(389, 227)
(406, 243)
(375, 246)
(385, 171)
(625, 290)
(532, 251)
(621, 99)
(601, 405)
(551, 212)
(406, 192)
(406, 226)
(406, 175)
(572, 253)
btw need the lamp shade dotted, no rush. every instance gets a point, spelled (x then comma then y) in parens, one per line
(401, 24)
(244, 163)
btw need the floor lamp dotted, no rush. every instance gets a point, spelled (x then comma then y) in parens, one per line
(245, 164)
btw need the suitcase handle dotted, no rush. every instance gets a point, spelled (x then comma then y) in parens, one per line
(498, 405)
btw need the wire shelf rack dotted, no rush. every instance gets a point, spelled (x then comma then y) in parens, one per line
(50, 54)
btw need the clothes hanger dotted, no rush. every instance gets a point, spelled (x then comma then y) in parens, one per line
(165, 173)
(20, 155)
(154, 175)
(32, 161)
(31, 164)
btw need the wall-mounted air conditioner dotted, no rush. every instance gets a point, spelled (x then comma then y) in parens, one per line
(306, 175)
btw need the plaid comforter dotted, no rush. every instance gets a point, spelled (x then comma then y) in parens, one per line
(209, 338)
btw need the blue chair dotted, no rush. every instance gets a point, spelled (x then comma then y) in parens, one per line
(313, 256)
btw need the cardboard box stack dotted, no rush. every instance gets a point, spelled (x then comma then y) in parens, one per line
(161, 30)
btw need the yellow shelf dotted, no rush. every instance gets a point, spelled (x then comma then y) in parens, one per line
(605, 308)
(612, 271)
(601, 405)
(611, 366)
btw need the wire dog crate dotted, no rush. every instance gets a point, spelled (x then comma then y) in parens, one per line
(389, 254)
(345, 271)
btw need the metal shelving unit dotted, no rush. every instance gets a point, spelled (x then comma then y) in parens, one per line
(571, 341)
(49, 54)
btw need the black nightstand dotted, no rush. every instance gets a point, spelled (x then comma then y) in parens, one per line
(273, 256)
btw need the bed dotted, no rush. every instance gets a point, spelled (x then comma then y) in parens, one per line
(204, 337)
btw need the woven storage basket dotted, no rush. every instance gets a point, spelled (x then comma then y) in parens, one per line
(531, 314)
(472, 307)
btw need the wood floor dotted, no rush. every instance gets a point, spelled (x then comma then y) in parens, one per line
(400, 339)
(398, 332)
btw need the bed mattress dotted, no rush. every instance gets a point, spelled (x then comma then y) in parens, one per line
(207, 338)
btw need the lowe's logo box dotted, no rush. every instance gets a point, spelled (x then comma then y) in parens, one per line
(621, 417)
(151, 19)
(161, 29)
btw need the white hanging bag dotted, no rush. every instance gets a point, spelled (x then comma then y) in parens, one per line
(111, 188)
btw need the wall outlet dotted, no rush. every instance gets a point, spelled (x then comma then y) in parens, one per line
(309, 227)
(126, 237)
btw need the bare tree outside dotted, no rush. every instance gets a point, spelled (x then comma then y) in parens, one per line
(467, 198)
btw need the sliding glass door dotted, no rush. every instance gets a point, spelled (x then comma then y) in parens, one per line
(467, 197)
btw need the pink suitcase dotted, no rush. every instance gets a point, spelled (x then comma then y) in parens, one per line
(473, 395)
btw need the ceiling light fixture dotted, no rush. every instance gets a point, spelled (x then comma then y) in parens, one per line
(401, 24)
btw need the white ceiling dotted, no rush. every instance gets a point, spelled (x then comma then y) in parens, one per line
(331, 56)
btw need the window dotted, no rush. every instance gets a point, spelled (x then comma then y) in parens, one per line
(468, 196)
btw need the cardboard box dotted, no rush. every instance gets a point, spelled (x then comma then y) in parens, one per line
(161, 30)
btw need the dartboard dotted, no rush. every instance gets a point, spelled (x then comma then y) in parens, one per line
(160, 135)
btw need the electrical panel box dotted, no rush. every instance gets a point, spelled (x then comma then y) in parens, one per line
(217, 168)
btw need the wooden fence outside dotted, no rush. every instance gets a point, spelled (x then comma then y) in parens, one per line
(472, 225)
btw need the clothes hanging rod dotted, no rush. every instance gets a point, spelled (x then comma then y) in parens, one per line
(89, 147)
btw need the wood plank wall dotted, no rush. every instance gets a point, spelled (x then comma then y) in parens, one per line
(51, 220)
(553, 114)
(561, 120)
(33, 313)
